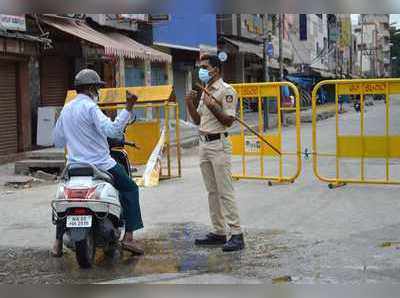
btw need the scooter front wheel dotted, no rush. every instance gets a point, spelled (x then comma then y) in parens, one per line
(85, 251)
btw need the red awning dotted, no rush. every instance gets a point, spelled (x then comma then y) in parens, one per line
(114, 44)
(154, 54)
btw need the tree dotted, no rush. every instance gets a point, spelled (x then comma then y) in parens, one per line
(395, 51)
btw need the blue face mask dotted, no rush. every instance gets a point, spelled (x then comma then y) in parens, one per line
(204, 75)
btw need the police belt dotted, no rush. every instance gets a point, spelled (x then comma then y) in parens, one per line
(212, 137)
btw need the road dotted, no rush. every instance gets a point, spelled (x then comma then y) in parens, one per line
(302, 232)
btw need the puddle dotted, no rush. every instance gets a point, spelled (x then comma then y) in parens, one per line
(168, 249)
(271, 256)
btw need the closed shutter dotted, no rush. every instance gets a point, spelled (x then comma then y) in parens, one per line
(54, 80)
(134, 77)
(8, 108)
(158, 75)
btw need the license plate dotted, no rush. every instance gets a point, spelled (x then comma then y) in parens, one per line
(79, 221)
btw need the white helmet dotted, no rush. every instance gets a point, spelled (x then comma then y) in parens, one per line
(88, 77)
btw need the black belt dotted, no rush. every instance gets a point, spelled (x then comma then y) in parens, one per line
(213, 136)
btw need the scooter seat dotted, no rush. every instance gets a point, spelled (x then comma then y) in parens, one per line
(79, 172)
(90, 172)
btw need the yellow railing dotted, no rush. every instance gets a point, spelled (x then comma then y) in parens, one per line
(249, 145)
(161, 103)
(360, 146)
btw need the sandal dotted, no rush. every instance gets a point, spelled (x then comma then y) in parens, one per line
(57, 250)
(132, 247)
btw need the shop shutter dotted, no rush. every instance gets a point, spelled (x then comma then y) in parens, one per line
(8, 108)
(54, 80)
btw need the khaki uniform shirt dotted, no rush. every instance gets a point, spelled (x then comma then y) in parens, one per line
(227, 98)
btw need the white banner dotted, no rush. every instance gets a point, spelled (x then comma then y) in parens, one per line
(252, 144)
(135, 17)
(151, 176)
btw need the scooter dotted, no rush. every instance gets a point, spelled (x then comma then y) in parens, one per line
(87, 206)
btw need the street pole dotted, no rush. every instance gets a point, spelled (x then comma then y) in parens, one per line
(351, 69)
(281, 24)
(375, 54)
(281, 16)
(266, 74)
(339, 32)
(265, 61)
(377, 71)
(362, 46)
(336, 59)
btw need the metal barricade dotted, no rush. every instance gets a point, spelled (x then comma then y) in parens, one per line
(157, 113)
(373, 140)
(271, 107)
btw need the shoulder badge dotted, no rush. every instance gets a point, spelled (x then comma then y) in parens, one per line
(229, 98)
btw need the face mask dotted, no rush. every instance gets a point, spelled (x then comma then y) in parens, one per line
(204, 75)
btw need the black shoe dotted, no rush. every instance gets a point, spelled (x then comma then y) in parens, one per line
(211, 239)
(235, 243)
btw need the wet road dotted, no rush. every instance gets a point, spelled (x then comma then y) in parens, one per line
(299, 233)
(271, 256)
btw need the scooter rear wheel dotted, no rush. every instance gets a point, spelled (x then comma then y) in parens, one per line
(85, 251)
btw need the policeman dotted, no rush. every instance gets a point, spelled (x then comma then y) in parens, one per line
(214, 118)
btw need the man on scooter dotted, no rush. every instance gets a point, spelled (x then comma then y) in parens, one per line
(83, 129)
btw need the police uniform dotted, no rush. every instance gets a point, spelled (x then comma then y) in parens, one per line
(215, 160)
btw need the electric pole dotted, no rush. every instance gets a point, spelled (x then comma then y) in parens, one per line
(362, 46)
(266, 38)
(281, 24)
(281, 16)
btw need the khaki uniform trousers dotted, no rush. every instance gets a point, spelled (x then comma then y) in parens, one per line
(215, 164)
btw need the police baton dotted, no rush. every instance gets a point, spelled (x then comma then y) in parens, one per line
(242, 122)
(104, 104)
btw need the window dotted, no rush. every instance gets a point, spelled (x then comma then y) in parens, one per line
(303, 27)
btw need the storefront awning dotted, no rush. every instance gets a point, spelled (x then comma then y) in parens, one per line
(154, 54)
(247, 47)
(251, 48)
(323, 73)
(303, 81)
(114, 44)
(23, 36)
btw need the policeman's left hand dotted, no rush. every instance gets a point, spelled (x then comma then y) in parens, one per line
(208, 101)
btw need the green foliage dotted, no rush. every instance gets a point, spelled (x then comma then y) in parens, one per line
(395, 51)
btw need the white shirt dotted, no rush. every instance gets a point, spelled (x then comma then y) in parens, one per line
(83, 129)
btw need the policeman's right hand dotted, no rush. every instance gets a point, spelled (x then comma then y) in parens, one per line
(191, 96)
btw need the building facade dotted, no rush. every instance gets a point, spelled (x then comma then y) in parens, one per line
(373, 44)
(241, 36)
(185, 36)
(18, 92)
(94, 42)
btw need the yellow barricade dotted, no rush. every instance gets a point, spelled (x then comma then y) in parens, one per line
(250, 150)
(365, 146)
(160, 111)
